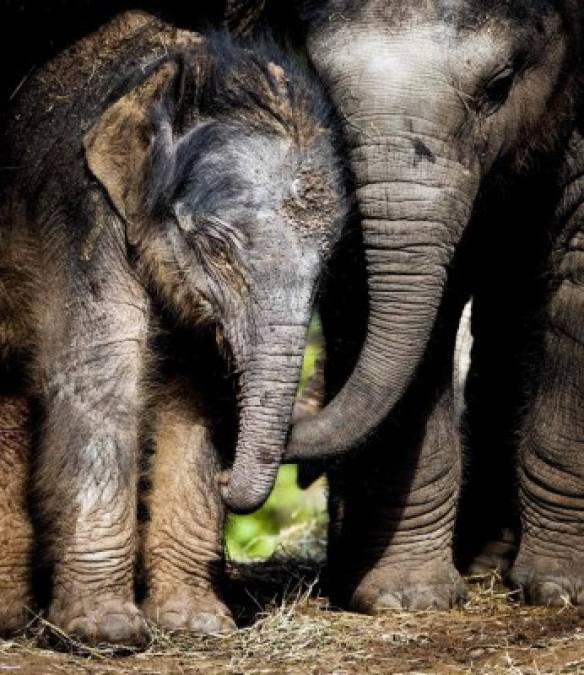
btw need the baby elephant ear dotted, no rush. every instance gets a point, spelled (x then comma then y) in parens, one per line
(121, 147)
(241, 16)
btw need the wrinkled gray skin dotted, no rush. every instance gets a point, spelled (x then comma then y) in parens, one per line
(158, 179)
(462, 119)
(438, 98)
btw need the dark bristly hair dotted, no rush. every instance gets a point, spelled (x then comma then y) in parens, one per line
(239, 82)
(235, 88)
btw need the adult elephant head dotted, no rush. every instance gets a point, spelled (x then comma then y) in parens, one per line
(434, 95)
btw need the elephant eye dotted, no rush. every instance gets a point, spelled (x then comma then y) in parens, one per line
(498, 89)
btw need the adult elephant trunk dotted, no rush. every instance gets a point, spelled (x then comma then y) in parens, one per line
(414, 206)
(268, 386)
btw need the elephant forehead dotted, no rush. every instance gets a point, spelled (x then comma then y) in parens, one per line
(378, 53)
(398, 55)
(364, 65)
(372, 71)
(463, 14)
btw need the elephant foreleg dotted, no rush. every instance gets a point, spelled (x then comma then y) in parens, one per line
(89, 370)
(183, 540)
(16, 535)
(392, 503)
(393, 512)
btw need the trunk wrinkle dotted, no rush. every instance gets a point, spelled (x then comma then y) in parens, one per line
(407, 260)
(268, 386)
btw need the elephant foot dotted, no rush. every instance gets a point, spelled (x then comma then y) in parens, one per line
(495, 556)
(436, 587)
(15, 609)
(187, 611)
(552, 582)
(93, 621)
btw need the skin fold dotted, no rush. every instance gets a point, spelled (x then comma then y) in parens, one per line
(463, 128)
(162, 183)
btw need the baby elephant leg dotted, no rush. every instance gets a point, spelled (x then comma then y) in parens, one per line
(16, 536)
(90, 366)
(183, 543)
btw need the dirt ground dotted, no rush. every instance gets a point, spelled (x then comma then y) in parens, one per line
(289, 628)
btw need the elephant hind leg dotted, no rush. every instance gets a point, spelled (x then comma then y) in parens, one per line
(183, 539)
(16, 533)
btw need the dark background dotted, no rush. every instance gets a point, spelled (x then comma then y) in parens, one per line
(32, 31)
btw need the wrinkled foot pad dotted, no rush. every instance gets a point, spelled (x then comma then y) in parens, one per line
(548, 588)
(182, 612)
(110, 621)
(392, 589)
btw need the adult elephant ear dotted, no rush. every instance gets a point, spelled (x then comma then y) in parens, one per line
(130, 149)
(241, 16)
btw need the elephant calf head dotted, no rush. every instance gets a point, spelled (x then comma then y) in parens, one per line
(222, 163)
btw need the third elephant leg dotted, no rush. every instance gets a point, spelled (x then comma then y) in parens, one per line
(183, 542)
(392, 515)
(392, 504)
(550, 564)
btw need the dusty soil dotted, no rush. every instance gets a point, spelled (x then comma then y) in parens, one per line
(289, 628)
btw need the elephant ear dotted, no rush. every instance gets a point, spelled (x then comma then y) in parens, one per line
(130, 150)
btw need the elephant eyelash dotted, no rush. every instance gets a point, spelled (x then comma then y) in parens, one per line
(221, 231)
(212, 227)
(497, 90)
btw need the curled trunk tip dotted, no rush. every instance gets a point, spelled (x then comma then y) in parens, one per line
(243, 496)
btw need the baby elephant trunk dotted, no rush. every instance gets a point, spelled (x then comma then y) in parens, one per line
(267, 393)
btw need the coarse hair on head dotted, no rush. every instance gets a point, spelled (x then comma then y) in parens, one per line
(259, 83)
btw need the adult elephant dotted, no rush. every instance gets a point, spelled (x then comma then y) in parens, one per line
(463, 126)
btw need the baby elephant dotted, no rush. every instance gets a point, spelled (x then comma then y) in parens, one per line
(161, 182)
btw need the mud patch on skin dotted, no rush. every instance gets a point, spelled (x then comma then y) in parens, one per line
(312, 200)
(289, 628)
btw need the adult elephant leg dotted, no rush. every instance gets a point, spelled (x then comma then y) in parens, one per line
(89, 370)
(550, 564)
(395, 508)
(16, 534)
(392, 505)
(183, 540)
